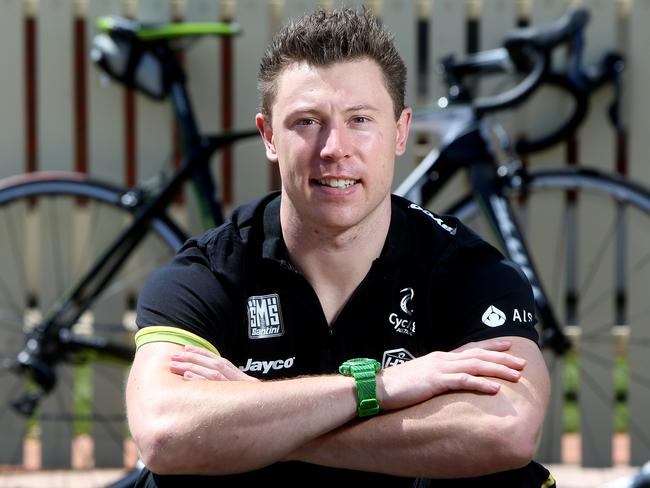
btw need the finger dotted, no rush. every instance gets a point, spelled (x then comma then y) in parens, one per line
(181, 368)
(506, 359)
(188, 375)
(202, 351)
(468, 382)
(478, 367)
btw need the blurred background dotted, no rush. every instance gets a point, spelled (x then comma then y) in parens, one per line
(59, 113)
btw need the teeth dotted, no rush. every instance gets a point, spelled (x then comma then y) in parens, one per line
(336, 182)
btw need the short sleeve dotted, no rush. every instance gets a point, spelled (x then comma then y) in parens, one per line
(186, 294)
(489, 297)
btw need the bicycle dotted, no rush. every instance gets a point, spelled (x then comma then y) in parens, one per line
(503, 186)
(581, 305)
(119, 236)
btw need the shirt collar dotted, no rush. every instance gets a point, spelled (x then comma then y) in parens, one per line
(274, 248)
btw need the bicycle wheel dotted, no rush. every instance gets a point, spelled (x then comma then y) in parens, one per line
(588, 235)
(52, 228)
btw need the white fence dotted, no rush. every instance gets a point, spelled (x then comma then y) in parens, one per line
(56, 114)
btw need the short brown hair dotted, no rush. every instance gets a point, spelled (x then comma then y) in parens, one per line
(326, 37)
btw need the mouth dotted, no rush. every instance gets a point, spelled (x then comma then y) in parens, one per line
(336, 182)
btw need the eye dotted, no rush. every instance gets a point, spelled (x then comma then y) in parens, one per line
(305, 122)
(360, 119)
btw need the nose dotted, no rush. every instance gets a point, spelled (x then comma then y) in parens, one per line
(336, 144)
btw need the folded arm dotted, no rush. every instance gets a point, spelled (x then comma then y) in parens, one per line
(458, 434)
(219, 427)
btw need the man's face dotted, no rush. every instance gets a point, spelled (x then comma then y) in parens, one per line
(334, 135)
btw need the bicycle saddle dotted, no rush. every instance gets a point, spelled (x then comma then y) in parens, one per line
(165, 30)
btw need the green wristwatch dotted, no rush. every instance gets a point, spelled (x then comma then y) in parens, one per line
(364, 372)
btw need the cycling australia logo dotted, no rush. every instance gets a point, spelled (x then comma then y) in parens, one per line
(401, 324)
(395, 357)
(264, 317)
(493, 317)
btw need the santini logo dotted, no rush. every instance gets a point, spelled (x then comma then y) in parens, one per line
(493, 317)
(264, 317)
(266, 366)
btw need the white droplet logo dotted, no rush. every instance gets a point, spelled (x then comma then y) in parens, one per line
(493, 317)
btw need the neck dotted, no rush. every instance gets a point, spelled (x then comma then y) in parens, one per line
(335, 260)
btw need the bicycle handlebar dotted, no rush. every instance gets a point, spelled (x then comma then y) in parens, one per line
(529, 51)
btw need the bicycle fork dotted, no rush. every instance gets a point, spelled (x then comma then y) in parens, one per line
(488, 191)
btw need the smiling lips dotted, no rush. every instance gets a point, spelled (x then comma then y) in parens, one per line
(336, 182)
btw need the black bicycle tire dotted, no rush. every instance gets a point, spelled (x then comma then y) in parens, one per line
(621, 191)
(48, 183)
(73, 185)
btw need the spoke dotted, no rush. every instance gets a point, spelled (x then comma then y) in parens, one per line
(131, 276)
(597, 260)
(56, 246)
(17, 257)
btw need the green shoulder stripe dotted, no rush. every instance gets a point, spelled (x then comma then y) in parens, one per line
(163, 333)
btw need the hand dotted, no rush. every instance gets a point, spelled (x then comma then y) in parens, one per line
(196, 363)
(472, 367)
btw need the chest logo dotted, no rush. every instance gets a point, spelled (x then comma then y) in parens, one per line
(395, 357)
(264, 317)
(405, 302)
(404, 325)
(493, 317)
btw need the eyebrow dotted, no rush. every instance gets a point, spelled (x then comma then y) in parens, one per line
(361, 107)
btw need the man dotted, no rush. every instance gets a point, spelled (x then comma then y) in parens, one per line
(236, 377)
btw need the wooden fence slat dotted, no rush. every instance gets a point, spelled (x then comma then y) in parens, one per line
(637, 82)
(250, 166)
(536, 116)
(639, 360)
(203, 64)
(400, 18)
(108, 399)
(106, 162)
(12, 278)
(55, 151)
(12, 299)
(105, 107)
(550, 209)
(153, 118)
(542, 111)
(447, 34)
(12, 93)
(596, 146)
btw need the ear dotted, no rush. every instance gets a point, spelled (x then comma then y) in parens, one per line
(266, 131)
(403, 127)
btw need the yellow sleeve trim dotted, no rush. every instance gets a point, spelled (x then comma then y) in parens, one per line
(164, 333)
(550, 482)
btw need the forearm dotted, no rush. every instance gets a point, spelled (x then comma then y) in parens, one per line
(447, 436)
(457, 434)
(205, 427)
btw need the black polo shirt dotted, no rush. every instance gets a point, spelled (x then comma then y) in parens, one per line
(435, 286)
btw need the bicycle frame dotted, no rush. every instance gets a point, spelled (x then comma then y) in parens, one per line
(465, 146)
(55, 328)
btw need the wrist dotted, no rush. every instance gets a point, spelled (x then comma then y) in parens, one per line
(364, 371)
